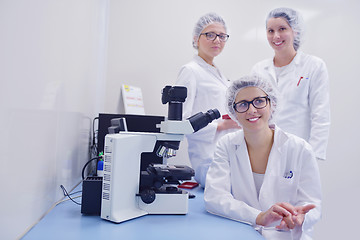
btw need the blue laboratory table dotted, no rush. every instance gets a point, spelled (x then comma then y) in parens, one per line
(66, 222)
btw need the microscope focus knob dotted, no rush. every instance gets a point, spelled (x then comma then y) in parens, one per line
(147, 196)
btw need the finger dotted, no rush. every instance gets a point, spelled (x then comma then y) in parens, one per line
(268, 217)
(298, 220)
(281, 210)
(289, 222)
(289, 207)
(307, 208)
(282, 226)
(287, 216)
(276, 216)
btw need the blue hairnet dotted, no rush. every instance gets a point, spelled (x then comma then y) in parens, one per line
(252, 81)
(295, 21)
(202, 23)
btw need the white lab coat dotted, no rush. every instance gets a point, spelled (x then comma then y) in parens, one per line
(230, 189)
(304, 105)
(206, 88)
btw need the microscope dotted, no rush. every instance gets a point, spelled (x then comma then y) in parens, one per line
(131, 190)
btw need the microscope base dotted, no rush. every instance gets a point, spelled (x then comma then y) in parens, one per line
(163, 204)
(167, 204)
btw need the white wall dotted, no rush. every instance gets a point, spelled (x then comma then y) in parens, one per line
(56, 74)
(52, 65)
(150, 40)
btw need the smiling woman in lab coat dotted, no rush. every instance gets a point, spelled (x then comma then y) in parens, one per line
(206, 87)
(262, 175)
(301, 78)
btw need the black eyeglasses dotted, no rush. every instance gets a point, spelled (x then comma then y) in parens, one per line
(211, 36)
(258, 103)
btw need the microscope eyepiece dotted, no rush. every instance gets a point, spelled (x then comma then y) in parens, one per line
(201, 120)
(213, 114)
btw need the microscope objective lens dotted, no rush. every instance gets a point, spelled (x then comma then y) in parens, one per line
(161, 151)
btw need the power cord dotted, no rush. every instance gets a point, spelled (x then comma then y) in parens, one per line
(93, 150)
(68, 195)
(83, 170)
(94, 145)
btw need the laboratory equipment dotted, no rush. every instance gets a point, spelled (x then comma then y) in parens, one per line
(129, 191)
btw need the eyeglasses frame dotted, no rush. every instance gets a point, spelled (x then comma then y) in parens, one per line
(217, 35)
(251, 102)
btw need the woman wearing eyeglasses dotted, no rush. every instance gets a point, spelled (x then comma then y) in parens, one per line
(301, 78)
(262, 175)
(206, 87)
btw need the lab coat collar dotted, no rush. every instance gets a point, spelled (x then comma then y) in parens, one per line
(298, 57)
(270, 67)
(199, 60)
(280, 139)
(212, 69)
(273, 168)
(238, 140)
(202, 62)
(279, 136)
(244, 164)
(297, 60)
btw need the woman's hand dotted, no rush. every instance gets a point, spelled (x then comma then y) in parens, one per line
(295, 217)
(299, 218)
(278, 211)
(227, 124)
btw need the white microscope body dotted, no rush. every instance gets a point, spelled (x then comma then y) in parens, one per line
(121, 181)
(125, 191)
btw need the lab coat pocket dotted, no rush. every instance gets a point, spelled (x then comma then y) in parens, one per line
(285, 189)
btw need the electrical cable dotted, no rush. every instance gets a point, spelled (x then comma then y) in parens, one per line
(75, 192)
(87, 163)
(93, 149)
(83, 170)
(68, 195)
(51, 208)
(94, 142)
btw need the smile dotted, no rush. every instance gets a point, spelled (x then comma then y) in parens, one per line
(253, 119)
(278, 43)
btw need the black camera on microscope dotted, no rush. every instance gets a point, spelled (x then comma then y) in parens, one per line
(176, 96)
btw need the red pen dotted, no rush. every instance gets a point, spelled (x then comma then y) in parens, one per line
(299, 81)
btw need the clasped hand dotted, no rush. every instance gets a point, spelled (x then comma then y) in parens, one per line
(289, 215)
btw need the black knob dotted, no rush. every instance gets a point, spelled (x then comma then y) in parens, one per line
(147, 196)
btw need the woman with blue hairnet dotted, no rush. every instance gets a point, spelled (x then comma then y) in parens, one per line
(206, 87)
(301, 78)
(262, 175)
